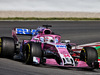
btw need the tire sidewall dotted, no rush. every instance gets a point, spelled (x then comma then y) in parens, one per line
(7, 47)
(89, 55)
(32, 49)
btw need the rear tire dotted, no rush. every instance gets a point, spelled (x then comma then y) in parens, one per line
(89, 55)
(7, 47)
(32, 49)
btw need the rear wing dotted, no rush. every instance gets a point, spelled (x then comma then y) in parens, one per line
(22, 31)
(16, 32)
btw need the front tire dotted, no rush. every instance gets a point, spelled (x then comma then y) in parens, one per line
(89, 55)
(32, 50)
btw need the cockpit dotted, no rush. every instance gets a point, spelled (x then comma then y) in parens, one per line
(45, 35)
(42, 31)
(50, 39)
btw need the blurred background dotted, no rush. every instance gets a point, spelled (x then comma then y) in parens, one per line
(50, 8)
(50, 5)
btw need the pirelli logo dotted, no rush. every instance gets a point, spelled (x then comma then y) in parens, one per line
(0, 40)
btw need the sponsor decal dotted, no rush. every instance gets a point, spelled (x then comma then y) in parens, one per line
(66, 55)
(42, 39)
(61, 46)
(56, 40)
(24, 31)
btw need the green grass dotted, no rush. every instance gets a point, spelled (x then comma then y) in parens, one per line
(53, 18)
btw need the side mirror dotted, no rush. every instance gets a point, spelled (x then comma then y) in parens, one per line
(65, 41)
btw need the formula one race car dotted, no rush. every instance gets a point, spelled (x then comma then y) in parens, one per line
(45, 47)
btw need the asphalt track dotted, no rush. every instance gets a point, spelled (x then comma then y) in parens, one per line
(79, 32)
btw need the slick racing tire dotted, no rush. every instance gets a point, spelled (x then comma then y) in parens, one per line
(7, 47)
(32, 50)
(89, 55)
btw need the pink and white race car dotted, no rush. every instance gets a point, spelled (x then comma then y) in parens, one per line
(45, 47)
